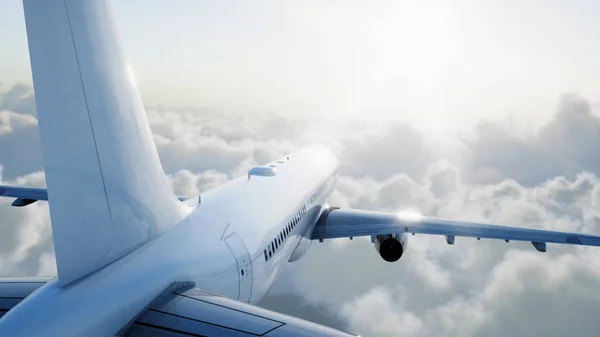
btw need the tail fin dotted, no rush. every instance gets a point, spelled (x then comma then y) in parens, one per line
(106, 188)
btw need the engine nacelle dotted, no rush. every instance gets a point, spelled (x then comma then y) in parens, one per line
(391, 246)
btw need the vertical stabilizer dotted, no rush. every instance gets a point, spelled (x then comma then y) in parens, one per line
(106, 188)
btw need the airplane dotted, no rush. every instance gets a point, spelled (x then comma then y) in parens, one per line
(134, 259)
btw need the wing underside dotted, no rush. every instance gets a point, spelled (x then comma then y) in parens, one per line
(341, 223)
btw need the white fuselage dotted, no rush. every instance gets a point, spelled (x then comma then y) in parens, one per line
(233, 243)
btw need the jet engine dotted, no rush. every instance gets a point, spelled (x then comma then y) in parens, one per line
(390, 246)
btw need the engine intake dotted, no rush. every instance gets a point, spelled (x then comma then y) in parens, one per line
(391, 246)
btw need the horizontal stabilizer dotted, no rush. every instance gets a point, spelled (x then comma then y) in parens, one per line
(28, 195)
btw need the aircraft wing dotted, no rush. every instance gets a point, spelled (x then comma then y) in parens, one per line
(341, 223)
(13, 290)
(188, 311)
(24, 195)
(28, 195)
(194, 312)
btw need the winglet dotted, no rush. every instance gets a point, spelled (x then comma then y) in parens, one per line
(106, 189)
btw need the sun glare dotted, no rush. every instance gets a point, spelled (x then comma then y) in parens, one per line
(410, 215)
(415, 44)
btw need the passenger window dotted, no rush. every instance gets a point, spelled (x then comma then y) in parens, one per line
(272, 246)
(266, 258)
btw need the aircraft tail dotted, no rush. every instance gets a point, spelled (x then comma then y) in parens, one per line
(106, 189)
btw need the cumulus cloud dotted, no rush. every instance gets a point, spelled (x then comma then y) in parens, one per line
(437, 289)
(546, 179)
(19, 138)
(564, 146)
(26, 241)
(18, 99)
(11, 122)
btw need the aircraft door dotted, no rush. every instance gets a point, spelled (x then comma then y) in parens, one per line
(244, 264)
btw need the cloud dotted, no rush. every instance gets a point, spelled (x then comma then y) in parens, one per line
(563, 146)
(20, 150)
(470, 289)
(386, 310)
(26, 241)
(18, 99)
(385, 151)
(545, 179)
(12, 122)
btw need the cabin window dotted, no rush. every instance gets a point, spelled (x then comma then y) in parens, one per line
(266, 257)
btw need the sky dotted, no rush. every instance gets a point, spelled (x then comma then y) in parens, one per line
(435, 63)
(475, 110)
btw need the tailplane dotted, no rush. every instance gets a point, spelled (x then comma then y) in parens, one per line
(106, 188)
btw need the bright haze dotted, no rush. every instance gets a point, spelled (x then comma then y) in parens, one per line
(479, 110)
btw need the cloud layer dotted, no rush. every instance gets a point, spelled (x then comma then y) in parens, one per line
(546, 178)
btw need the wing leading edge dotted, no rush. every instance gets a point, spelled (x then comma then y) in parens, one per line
(341, 223)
